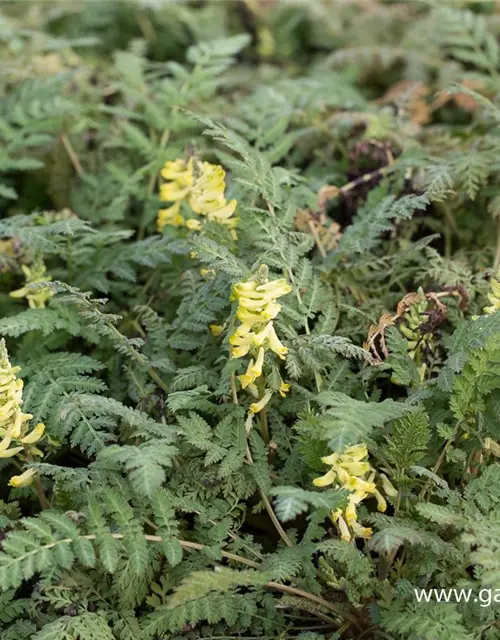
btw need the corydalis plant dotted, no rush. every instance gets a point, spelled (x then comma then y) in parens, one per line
(256, 335)
(17, 440)
(352, 471)
(201, 186)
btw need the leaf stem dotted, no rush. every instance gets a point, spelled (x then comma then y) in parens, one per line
(277, 524)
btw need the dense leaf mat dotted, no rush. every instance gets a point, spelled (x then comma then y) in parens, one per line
(249, 381)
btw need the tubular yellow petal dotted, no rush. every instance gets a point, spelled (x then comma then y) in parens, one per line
(335, 515)
(381, 502)
(170, 216)
(361, 532)
(388, 487)
(216, 329)
(19, 293)
(275, 288)
(284, 389)
(251, 305)
(35, 435)
(15, 429)
(7, 409)
(357, 452)
(172, 191)
(357, 484)
(256, 407)
(356, 468)
(261, 336)
(270, 311)
(244, 289)
(495, 287)
(331, 459)
(5, 444)
(256, 369)
(326, 480)
(193, 225)
(224, 212)
(247, 378)
(350, 512)
(240, 340)
(275, 343)
(23, 480)
(345, 534)
(10, 453)
(239, 352)
(247, 317)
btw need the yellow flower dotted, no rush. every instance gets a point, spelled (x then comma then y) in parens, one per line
(37, 296)
(275, 343)
(179, 172)
(284, 389)
(257, 307)
(216, 329)
(254, 370)
(200, 184)
(35, 435)
(256, 407)
(326, 480)
(207, 273)
(11, 397)
(5, 452)
(193, 225)
(24, 480)
(387, 486)
(493, 297)
(15, 438)
(352, 472)
(170, 216)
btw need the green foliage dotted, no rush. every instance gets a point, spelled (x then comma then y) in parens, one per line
(360, 141)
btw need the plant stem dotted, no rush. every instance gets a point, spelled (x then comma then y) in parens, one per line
(72, 155)
(277, 525)
(496, 261)
(265, 499)
(186, 544)
(234, 391)
(40, 492)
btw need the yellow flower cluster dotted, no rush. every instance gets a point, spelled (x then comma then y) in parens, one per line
(257, 308)
(352, 471)
(37, 296)
(493, 297)
(202, 185)
(13, 422)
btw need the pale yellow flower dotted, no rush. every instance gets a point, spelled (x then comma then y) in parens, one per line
(216, 329)
(254, 370)
(193, 225)
(387, 486)
(493, 297)
(35, 435)
(202, 186)
(170, 216)
(256, 407)
(351, 471)
(36, 297)
(23, 480)
(256, 309)
(284, 389)
(15, 437)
